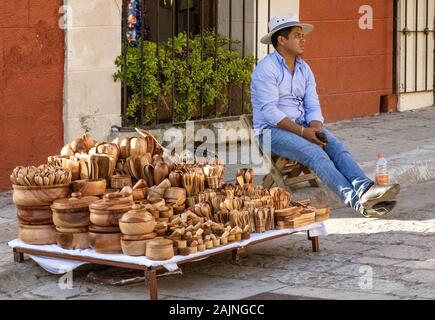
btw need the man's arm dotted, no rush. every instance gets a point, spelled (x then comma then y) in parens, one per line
(289, 125)
(307, 133)
(311, 102)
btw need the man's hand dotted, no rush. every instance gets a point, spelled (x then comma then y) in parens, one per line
(316, 125)
(310, 135)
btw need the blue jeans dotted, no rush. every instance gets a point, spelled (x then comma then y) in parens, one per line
(333, 165)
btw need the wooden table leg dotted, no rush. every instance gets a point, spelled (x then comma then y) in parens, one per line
(151, 281)
(18, 256)
(315, 242)
(236, 253)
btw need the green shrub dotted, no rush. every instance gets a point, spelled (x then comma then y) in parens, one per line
(192, 73)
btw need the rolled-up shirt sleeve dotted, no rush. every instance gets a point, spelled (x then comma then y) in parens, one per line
(265, 95)
(313, 110)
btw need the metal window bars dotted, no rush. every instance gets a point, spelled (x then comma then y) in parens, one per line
(194, 18)
(411, 31)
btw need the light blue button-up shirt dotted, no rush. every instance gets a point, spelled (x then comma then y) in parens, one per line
(276, 93)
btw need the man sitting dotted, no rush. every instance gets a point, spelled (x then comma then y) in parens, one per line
(285, 101)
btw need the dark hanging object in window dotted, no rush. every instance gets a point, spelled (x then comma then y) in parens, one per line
(134, 22)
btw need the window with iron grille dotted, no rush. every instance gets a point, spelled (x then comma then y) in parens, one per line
(179, 62)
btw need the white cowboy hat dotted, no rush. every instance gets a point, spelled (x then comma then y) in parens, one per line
(285, 21)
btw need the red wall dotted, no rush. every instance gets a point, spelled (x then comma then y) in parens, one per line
(31, 83)
(353, 67)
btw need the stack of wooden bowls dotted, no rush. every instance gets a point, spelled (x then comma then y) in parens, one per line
(137, 227)
(35, 222)
(71, 218)
(104, 232)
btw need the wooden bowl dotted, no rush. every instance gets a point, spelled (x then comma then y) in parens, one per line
(175, 195)
(39, 195)
(137, 221)
(99, 229)
(108, 243)
(139, 194)
(72, 241)
(112, 202)
(105, 219)
(148, 236)
(35, 215)
(72, 230)
(189, 250)
(166, 212)
(119, 181)
(37, 234)
(108, 211)
(154, 194)
(160, 249)
(137, 228)
(71, 220)
(90, 187)
(157, 204)
(134, 248)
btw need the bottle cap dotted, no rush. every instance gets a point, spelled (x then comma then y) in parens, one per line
(381, 155)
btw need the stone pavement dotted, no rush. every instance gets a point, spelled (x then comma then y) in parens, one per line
(361, 258)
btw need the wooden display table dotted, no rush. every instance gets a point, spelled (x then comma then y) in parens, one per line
(155, 269)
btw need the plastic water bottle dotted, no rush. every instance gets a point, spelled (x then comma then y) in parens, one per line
(381, 174)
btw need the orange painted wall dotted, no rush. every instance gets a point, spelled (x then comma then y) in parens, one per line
(353, 67)
(31, 83)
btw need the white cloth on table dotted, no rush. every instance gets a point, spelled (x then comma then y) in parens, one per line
(60, 266)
